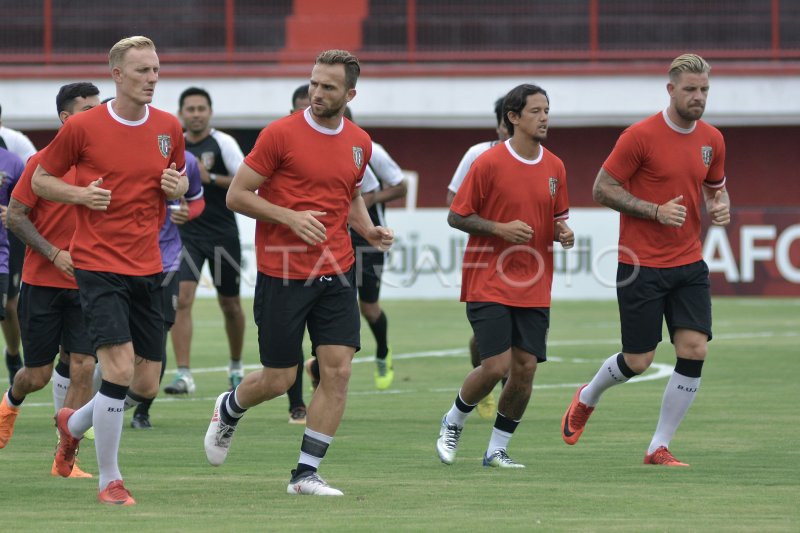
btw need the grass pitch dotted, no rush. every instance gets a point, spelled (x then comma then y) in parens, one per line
(740, 438)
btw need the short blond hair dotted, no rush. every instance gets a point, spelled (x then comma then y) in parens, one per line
(119, 50)
(688, 63)
(352, 69)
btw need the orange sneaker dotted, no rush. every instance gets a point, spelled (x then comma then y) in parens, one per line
(67, 444)
(76, 471)
(115, 493)
(662, 456)
(575, 418)
(8, 416)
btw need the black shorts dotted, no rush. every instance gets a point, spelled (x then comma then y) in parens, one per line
(681, 294)
(16, 256)
(169, 297)
(50, 317)
(3, 295)
(119, 309)
(283, 308)
(224, 258)
(498, 327)
(369, 268)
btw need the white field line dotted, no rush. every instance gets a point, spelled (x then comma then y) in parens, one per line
(658, 370)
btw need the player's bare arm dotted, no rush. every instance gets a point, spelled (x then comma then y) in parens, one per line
(388, 194)
(55, 189)
(515, 232)
(358, 219)
(242, 198)
(610, 193)
(17, 221)
(563, 234)
(173, 183)
(718, 205)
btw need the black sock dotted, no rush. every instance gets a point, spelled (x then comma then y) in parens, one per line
(691, 368)
(463, 407)
(143, 409)
(295, 392)
(379, 329)
(13, 400)
(62, 369)
(228, 405)
(315, 368)
(623, 366)
(503, 423)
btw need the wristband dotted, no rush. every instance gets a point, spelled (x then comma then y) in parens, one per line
(212, 178)
(656, 217)
(53, 260)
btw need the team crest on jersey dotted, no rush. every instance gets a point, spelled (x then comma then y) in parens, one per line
(553, 186)
(208, 159)
(707, 152)
(164, 144)
(358, 156)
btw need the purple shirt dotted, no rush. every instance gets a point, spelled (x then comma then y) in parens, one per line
(11, 167)
(169, 240)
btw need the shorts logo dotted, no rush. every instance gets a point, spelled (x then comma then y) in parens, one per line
(164, 144)
(174, 302)
(358, 156)
(553, 182)
(707, 152)
(208, 159)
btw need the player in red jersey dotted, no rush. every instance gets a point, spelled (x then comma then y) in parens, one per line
(49, 302)
(128, 157)
(306, 170)
(659, 174)
(513, 204)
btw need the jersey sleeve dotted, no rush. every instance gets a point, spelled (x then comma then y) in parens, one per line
(386, 169)
(625, 158)
(265, 157)
(232, 155)
(470, 195)
(561, 206)
(370, 182)
(462, 169)
(715, 179)
(195, 190)
(23, 191)
(63, 152)
(365, 165)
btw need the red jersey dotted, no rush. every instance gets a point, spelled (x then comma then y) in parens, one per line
(308, 167)
(54, 221)
(130, 157)
(657, 161)
(502, 186)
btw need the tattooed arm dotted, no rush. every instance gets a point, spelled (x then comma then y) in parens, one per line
(516, 231)
(610, 193)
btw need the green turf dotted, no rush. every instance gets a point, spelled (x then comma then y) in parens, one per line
(739, 437)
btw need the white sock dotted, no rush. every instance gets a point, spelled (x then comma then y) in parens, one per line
(81, 420)
(107, 421)
(313, 460)
(498, 441)
(607, 376)
(97, 378)
(60, 386)
(678, 397)
(456, 416)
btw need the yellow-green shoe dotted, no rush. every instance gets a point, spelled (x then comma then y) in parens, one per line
(384, 372)
(89, 433)
(487, 408)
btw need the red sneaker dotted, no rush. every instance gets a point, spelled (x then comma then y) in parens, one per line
(67, 444)
(8, 416)
(115, 493)
(662, 456)
(575, 418)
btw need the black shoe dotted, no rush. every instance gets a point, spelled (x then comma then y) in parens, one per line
(141, 421)
(13, 365)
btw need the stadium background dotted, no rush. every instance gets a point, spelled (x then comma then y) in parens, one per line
(431, 70)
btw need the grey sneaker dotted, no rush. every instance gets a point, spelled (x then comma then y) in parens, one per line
(500, 459)
(447, 444)
(182, 384)
(218, 436)
(309, 483)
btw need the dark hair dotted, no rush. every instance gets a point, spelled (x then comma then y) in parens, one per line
(300, 92)
(516, 99)
(68, 93)
(498, 109)
(193, 91)
(352, 69)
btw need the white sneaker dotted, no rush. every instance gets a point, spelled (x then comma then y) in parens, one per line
(218, 436)
(447, 444)
(182, 384)
(500, 459)
(309, 483)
